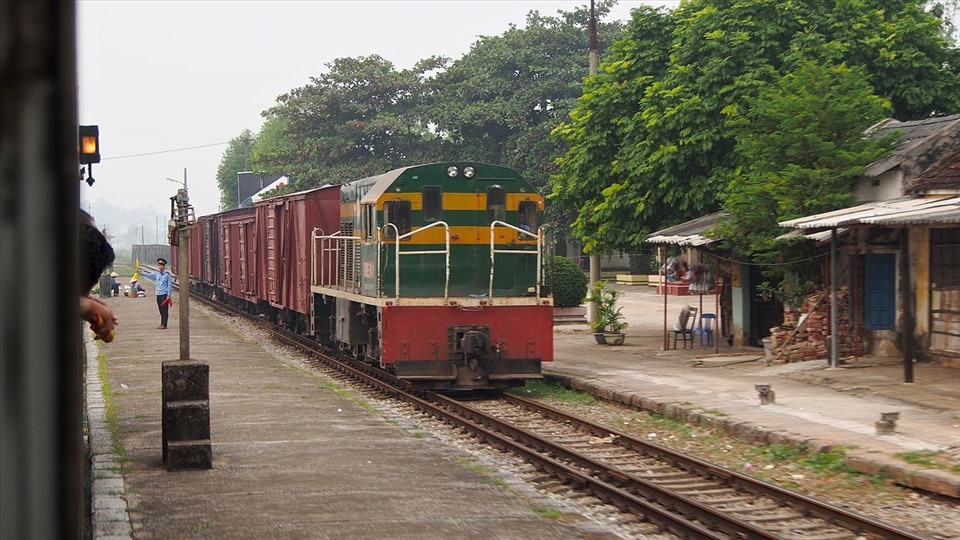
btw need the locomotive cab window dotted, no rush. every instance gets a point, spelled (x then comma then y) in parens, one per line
(397, 213)
(369, 220)
(527, 217)
(432, 203)
(496, 204)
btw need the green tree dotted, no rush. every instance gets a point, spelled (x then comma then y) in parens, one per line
(801, 146)
(360, 118)
(500, 101)
(271, 148)
(234, 160)
(590, 174)
(675, 147)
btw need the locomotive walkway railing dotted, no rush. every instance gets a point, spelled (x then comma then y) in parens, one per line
(327, 270)
(397, 238)
(336, 261)
(523, 233)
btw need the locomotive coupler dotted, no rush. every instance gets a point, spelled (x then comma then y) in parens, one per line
(474, 344)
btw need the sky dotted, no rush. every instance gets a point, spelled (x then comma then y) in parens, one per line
(170, 83)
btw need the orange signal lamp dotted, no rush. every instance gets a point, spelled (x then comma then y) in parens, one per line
(89, 144)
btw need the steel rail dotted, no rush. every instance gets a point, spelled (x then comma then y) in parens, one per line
(850, 520)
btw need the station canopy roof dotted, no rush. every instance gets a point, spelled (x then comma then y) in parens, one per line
(898, 212)
(689, 233)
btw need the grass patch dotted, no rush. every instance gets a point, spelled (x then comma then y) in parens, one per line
(546, 512)
(818, 462)
(930, 459)
(110, 409)
(489, 474)
(544, 390)
(663, 422)
(714, 412)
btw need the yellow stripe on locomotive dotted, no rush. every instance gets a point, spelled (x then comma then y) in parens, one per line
(422, 205)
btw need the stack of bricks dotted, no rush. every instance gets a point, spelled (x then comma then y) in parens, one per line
(810, 341)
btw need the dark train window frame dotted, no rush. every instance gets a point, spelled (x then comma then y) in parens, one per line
(368, 213)
(432, 205)
(397, 212)
(496, 212)
(528, 214)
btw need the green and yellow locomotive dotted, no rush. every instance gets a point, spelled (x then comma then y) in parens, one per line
(435, 274)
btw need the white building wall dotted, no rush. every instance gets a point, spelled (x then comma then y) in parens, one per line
(888, 185)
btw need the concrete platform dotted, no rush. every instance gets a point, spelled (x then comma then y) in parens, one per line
(815, 404)
(294, 458)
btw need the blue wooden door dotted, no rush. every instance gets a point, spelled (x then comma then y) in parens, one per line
(881, 290)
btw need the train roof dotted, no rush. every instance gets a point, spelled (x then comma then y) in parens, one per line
(372, 188)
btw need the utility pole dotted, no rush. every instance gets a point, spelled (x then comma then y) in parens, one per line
(185, 382)
(183, 267)
(593, 62)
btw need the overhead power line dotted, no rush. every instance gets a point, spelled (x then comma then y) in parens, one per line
(166, 151)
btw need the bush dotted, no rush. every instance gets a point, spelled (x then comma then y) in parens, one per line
(566, 280)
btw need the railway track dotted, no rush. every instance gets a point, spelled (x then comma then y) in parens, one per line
(678, 493)
(724, 503)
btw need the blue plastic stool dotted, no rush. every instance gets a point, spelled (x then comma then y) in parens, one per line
(707, 323)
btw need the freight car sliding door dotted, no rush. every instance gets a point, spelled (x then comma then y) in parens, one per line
(208, 252)
(272, 248)
(248, 262)
(226, 257)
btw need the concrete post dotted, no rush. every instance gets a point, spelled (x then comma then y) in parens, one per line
(183, 271)
(186, 415)
(186, 382)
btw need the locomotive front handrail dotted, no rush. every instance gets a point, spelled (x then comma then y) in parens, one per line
(397, 237)
(493, 251)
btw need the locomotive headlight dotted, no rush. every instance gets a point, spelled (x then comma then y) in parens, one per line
(469, 171)
(452, 171)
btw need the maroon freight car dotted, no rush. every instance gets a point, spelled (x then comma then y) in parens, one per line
(285, 227)
(237, 254)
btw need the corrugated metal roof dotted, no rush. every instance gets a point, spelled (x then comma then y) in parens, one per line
(899, 211)
(689, 233)
(819, 236)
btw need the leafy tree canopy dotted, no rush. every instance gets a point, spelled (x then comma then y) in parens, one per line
(358, 119)
(499, 102)
(653, 140)
(234, 160)
(801, 146)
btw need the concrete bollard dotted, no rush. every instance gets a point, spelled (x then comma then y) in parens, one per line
(887, 423)
(186, 415)
(767, 395)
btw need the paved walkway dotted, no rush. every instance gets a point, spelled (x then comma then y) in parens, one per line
(815, 405)
(293, 457)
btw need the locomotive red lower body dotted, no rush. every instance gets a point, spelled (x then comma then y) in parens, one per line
(459, 347)
(450, 346)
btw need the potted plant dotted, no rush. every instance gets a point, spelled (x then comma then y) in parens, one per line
(609, 326)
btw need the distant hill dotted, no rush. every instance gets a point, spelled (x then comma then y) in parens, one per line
(127, 226)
